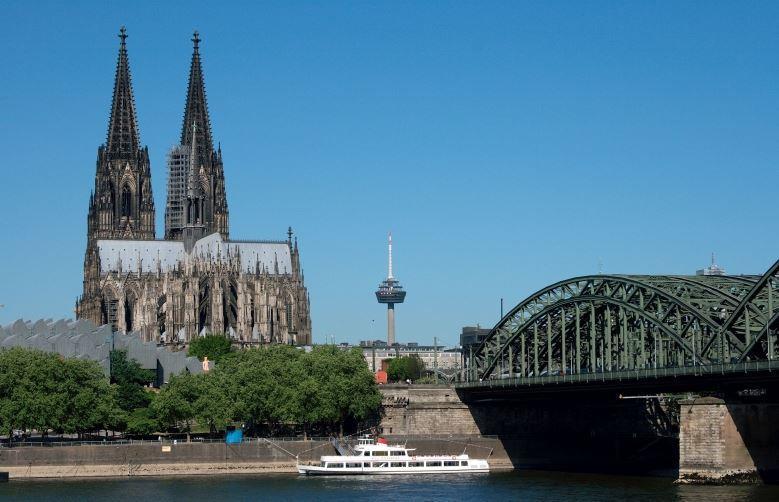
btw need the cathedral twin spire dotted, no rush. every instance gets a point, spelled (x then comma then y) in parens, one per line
(196, 124)
(204, 169)
(123, 179)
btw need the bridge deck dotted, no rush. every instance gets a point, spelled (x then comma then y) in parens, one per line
(690, 378)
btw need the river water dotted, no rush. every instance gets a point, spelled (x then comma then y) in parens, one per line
(525, 486)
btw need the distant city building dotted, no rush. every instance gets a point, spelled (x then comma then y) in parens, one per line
(444, 358)
(472, 337)
(197, 280)
(390, 292)
(373, 343)
(711, 270)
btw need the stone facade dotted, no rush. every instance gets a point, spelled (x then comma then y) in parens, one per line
(196, 281)
(425, 410)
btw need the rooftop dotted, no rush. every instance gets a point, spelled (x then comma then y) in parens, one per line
(147, 256)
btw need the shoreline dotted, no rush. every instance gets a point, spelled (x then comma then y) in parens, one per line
(97, 471)
(196, 459)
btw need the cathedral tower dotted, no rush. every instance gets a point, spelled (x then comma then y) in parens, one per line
(121, 205)
(196, 281)
(196, 156)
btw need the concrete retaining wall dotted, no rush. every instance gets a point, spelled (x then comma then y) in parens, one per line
(152, 459)
(210, 458)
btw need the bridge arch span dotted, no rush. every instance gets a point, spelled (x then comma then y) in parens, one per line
(611, 323)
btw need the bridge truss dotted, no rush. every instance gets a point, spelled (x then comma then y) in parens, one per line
(623, 323)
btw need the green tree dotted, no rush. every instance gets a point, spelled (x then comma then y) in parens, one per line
(44, 391)
(141, 422)
(30, 396)
(405, 368)
(346, 387)
(173, 406)
(91, 403)
(260, 383)
(130, 381)
(215, 347)
(212, 406)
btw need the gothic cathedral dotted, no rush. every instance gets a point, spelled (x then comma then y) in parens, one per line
(196, 280)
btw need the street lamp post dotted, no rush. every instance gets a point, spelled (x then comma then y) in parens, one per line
(435, 358)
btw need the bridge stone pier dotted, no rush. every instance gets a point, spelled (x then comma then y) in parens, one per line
(728, 441)
(591, 434)
(701, 440)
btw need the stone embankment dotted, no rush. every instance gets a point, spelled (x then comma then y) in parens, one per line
(166, 459)
(159, 459)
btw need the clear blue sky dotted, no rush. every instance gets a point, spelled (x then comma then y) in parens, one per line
(507, 145)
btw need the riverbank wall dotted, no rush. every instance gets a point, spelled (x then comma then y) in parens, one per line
(255, 456)
(158, 459)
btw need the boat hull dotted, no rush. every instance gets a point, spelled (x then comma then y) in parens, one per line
(313, 470)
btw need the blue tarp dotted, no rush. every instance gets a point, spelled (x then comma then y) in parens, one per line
(234, 435)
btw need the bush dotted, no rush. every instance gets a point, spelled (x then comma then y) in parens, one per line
(405, 368)
(214, 347)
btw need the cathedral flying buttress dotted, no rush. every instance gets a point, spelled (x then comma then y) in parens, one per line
(196, 280)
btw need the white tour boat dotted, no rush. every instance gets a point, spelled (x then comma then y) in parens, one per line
(381, 458)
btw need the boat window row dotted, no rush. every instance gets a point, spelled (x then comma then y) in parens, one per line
(383, 454)
(429, 463)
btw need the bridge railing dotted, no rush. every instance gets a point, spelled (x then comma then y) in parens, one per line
(635, 374)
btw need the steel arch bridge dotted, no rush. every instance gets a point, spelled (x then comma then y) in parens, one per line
(623, 324)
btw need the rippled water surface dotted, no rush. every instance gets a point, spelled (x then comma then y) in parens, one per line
(525, 486)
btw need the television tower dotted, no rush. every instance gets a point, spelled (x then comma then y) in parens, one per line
(390, 292)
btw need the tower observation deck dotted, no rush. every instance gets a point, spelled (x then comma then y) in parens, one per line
(390, 292)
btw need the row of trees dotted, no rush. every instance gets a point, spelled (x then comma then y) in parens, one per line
(44, 391)
(273, 389)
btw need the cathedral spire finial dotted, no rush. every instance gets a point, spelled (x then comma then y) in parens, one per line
(122, 140)
(196, 108)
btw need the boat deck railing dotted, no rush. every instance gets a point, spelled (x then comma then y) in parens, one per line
(342, 447)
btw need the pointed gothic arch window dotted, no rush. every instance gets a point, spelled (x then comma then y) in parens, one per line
(204, 305)
(230, 305)
(127, 201)
(129, 307)
(289, 316)
(161, 314)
